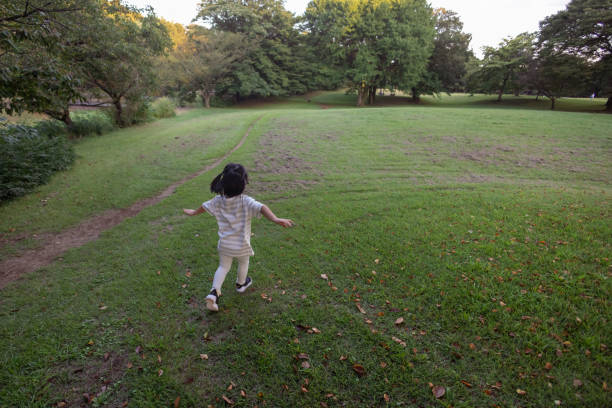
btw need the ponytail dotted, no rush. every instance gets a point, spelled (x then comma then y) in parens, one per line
(216, 186)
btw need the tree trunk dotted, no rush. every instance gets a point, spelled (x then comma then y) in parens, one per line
(361, 96)
(501, 90)
(372, 95)
(415, 96)
(118, 112)
(609, 104)
(206, 95)
(552, 103)
(63, 115)
(517, 92)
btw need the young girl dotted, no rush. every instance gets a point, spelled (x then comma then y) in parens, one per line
(233, 211)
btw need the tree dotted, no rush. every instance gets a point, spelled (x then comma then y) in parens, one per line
(271, 67)
(207, 57)
(116, 54)
(502, 66)
(35, 36)
(447, 65)
(583, 29)
(558, 74)
(376, 43)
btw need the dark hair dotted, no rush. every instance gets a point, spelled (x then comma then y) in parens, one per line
(231, 181)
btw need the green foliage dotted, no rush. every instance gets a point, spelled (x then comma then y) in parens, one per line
(28, 158)
(163, 108)
(275, 63)
(448, 62)
(502, 67)
(583, 29)
(89, 123)
(374, 43)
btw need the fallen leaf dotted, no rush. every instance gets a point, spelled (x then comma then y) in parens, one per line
(577, 383)
(342, 358)
(383, 364)
(557, 402)
(129, 365)
(438, 391)
(188, 274)
(302, 356)
(138, 349)
(316, 331)
(242, 394)
(399, 321)
(358, 368)
(229, 401)
(177, 402)
(160, 372)
(304, 389)
(103, 307)
(230, 387)
(520, 392)
(106, 356)
(305, 365)
(324, 276)
(204, 356)
(472, 346)
(467, 384)
(399, 341)
(360, 308)
(376, 261)
(386, 397)
(159, 359)
(548, 366)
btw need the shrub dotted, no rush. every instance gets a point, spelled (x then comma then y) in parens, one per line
(163, 108)
(28, 158)
(91, 122)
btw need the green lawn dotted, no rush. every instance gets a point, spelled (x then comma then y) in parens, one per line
(459, 248)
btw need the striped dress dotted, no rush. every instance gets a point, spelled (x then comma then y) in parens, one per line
(233, 216)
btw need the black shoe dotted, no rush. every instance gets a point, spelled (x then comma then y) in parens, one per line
(241, 288)
(212, 301)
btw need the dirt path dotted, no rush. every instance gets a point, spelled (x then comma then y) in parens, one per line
(90, 229)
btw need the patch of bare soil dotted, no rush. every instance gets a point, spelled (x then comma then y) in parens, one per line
(90, 229)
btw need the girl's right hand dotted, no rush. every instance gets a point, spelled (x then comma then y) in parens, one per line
(284, 222)
(189, 212)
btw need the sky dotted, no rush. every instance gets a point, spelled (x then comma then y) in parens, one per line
(489, 21)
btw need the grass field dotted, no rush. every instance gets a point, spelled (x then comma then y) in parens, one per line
(438, 249)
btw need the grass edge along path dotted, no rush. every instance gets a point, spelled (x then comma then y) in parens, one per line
(90, 229)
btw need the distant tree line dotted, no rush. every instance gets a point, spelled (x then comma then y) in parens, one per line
(57, 52)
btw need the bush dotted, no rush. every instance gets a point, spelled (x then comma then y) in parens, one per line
(91, 122)
(28, 158)
(163, 108)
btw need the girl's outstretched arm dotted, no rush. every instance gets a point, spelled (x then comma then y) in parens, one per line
(284, 222)
(200, 210)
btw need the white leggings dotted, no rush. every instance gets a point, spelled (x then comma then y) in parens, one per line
(225, 263)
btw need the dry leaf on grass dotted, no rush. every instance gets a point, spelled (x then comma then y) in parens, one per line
(399, 321)
(438, 391)
(399, 341)
(520, 392)
(177, 402)
(358, 368)
(324, 276)
(229, 401)
(360, 308)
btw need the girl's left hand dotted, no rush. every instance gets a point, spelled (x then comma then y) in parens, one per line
(189, 212)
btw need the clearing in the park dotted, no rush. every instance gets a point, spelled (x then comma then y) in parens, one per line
(453, 253)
